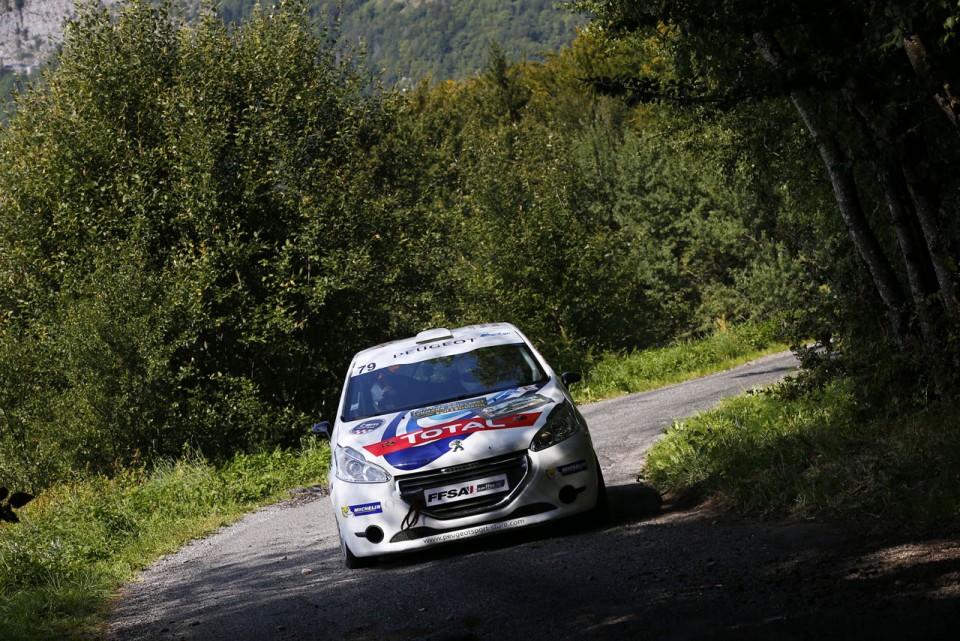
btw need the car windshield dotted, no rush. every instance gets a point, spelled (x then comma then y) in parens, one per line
(441, 380)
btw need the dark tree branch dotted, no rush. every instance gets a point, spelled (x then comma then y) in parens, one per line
(10, 502)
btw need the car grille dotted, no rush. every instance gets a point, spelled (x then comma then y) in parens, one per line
(412, 486)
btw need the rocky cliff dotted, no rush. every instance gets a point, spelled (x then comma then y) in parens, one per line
(30, 31)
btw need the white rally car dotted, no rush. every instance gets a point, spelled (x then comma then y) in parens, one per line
(454, 434)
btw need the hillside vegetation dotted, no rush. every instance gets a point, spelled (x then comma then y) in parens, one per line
(8, 80)
(409, 40)
(404, 41)
(200, 224)
(199, 227)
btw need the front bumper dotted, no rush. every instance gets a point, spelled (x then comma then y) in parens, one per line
(383, 518)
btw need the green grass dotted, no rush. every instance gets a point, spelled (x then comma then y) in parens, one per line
(76, 544)
(775, 455)
(617, 374)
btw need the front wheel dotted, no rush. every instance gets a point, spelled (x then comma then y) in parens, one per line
(599, 513)
(602, 510)
(350, 560)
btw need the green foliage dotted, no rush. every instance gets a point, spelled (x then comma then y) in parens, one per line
(10, 82)
(747, 449)
(79, 542)
(442, 40)
(818, 454)
(873, 82)
(407, 41)
(571, 212)
(199, 225)
(795, 261)
(198, 228)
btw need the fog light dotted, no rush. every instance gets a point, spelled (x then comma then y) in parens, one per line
(373, 534)
(568, 494)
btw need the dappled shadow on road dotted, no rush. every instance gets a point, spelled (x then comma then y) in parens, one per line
(772, 370)
(686, 574)
(627, 504)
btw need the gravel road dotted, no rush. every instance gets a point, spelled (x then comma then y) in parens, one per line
(650, 573)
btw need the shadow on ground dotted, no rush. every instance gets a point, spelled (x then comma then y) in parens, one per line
(646, 573)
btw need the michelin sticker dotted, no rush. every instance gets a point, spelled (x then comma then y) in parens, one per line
(361, 510)
(567, 469)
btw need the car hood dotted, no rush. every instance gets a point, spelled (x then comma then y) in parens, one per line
(452, 433)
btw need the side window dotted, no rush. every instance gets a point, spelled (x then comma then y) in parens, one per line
(359, 402)
(533, 373)
(354, 400)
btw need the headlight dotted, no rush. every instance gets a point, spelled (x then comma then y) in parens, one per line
(353, 468)
(561, 425)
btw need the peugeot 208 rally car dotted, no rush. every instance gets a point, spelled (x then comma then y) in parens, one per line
(454, 434)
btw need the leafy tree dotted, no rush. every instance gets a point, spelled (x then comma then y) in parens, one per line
(410, 41)
(569, 216)
(9, 82)
(871, 83)
(198, 227)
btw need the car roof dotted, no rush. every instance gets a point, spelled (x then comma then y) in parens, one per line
(488, 332)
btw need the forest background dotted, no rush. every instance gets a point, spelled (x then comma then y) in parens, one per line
(404, 40)
(199, 225)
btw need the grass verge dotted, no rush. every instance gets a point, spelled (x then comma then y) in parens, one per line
(816, 455)
(77, 544)
(616, 374)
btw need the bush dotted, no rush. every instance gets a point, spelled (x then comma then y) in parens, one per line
(818, 453)
(198, 227)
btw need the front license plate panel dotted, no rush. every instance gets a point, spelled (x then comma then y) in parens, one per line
(466, 490)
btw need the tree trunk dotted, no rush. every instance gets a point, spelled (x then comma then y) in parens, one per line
(845, 189)
(909, 208)
(911, 155)
(927, 202)
(919, 267)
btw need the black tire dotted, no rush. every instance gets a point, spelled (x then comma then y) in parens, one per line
(350, 560)
(602, 509)
(598, 514)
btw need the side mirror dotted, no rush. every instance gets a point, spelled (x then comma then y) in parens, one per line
(569, 378)
(321, 430)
